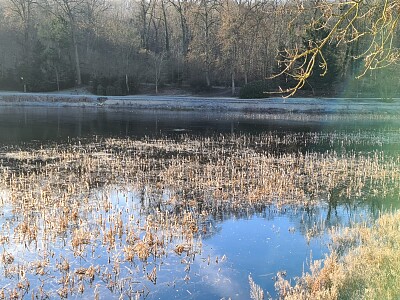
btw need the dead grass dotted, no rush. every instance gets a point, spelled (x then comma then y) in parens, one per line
(369, 269)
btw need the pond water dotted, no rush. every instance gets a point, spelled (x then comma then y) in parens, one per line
(259, 241)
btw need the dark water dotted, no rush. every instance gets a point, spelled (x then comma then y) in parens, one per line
(24, 124)
(60, 124)
(260, 243)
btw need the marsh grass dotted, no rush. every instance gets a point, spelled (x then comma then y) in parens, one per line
(367, 266)
(320, 116)
(75, 238)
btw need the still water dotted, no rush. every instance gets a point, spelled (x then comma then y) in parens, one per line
(259, 242)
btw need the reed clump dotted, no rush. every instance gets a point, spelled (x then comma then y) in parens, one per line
(367, 269)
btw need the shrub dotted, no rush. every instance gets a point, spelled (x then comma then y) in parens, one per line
(198, 85)
(118, 90)
(133, 87)
(113, 86)
(100, 90)
(255, 89)
(110, 90)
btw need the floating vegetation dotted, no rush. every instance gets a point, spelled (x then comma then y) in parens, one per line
(101, 218)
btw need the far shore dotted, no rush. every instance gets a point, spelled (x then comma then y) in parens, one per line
(189, 103)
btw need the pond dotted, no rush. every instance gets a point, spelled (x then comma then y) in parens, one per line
(111, 203)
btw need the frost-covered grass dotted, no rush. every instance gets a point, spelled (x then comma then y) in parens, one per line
(46, 98)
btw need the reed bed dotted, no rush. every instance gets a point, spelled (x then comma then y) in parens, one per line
(102, 217)
(320, 116)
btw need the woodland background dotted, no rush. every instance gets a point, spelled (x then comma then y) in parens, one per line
(118, 47)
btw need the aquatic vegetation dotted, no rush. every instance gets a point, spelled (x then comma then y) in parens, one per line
(256, 292)
(342, 114)
(368, 269)
(101, 217)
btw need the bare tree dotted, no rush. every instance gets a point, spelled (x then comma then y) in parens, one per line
(166, 27)
(183, 8)
(235, 16)
(157, 60)
(146, 15)
(93, 13)
(70, 10)
(344, 23)
(24, 9)
(204, 43)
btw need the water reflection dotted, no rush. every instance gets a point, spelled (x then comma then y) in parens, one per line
(23, 124)
(258, 241)
(202, 178)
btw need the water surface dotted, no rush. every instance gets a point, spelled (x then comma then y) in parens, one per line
(259, 242)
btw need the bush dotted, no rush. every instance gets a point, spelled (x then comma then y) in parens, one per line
(113, 86)
(133, 87)
(118, 89)
(199, 85)
(110, 90)
(100, 90)
(255, 89)
(10, 81)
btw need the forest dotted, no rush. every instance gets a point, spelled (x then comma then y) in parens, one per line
(118, 46)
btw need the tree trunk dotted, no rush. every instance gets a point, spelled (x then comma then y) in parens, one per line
(208, 82)
(156, 66)
(127, 83)
(166, 26)
(184, 29)
(57, 79)
(76, 54)
(233, 83)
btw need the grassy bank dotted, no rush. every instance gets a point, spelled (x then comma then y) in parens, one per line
(364, 263)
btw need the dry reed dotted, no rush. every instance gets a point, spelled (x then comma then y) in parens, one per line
(64, 213)
(364, 263)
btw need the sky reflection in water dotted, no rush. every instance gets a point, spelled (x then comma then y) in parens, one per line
(261, 242)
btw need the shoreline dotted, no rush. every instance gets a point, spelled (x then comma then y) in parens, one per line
(195, 103)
